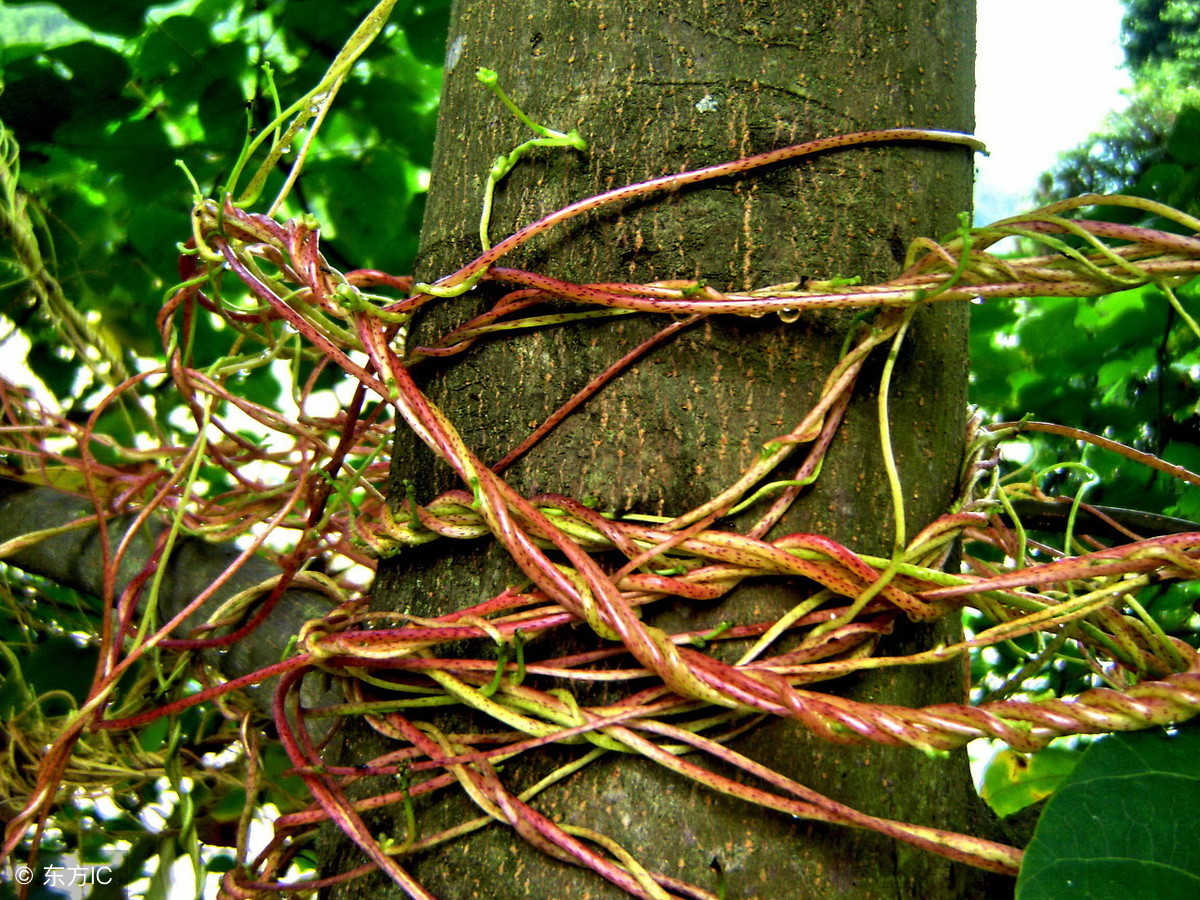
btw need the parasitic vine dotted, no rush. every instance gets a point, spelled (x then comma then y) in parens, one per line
(321, 493)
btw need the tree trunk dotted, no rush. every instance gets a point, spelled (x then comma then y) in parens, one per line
(657, 88)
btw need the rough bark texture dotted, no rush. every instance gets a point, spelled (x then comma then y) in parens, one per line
(658, 87)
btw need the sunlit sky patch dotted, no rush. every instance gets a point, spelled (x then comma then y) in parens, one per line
(1047, 73)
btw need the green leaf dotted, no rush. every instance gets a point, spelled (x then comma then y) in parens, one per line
(1159, 182)
(142, 153)
(175, 46)
(426, 27)
(33, 30)
(150, 224)
(1013, 781)
(282, 790)
(122, 17)
(1123, 825)
(258, 386)
(97, 71)
(1050, 336)
(115, 423)
(57, 664)
(130, 869)
(1184, 142)
(1184, 454)
(1173, 605)
(223, 116)
(15, 694)
(230, 806)
(48, 364)
(220, 863)
(1186, 505)
(351, 189)
(1110, 308)
(160, 881)
(35, 102)
(151, 737)
(324, 23)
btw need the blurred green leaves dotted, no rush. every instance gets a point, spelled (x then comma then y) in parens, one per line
(1125, 366)
(105, 99)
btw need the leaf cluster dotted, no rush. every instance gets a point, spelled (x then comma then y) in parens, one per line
(1125, 366)
(1161, 31)
(107, 97)
(104, 99)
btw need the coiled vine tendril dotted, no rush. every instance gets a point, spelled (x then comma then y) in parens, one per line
(316, 487)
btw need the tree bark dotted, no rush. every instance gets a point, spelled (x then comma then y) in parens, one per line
(657, 88)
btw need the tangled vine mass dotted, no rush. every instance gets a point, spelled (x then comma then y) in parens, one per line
(313, 490)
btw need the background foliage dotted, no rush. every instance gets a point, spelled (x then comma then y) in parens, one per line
(1125, 366)
(102, 116)
(104, 98)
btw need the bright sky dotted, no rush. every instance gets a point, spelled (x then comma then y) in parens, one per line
(1047, 73)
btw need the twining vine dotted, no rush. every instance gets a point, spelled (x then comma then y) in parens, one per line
(314, 488)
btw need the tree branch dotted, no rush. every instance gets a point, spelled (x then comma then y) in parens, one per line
(75, 559)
